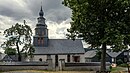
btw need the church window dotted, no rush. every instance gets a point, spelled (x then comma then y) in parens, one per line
(38, 41)
(76, 58)
(40, 59)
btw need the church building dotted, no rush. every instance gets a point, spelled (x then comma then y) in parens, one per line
(56, 49)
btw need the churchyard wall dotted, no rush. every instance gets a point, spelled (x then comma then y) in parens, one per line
(7, 66)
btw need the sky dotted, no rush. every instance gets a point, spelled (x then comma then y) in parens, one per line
(57, 16)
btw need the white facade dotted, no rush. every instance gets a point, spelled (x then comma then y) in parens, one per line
(53, 57)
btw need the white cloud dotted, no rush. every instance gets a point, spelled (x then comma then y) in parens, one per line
(58, 31)
(17, 9)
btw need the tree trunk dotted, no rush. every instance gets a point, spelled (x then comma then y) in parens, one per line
(103, 58)
(19, 54)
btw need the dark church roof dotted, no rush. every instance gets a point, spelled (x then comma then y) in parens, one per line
(61, 46)
(90, 53)
(114, 54)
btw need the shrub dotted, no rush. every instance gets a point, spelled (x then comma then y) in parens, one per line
(123, 65)
(119, 61)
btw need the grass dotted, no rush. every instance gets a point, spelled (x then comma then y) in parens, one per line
(118, 70)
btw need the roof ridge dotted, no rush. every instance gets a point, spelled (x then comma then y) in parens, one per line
(64, 39)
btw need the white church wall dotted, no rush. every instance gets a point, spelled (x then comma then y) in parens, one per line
(44, 58)
(71, 58)
(53, 60)
(37, 57)
(62, 57)
(82, 58)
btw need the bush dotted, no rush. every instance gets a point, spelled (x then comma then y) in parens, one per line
(123, 65)
(119, 61)
(110, 68)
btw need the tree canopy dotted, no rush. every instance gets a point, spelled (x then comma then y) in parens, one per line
(101, 23)
(18, 35)
(10, 51)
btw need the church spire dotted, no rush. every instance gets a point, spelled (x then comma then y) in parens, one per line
(41, 12)
(41, 31)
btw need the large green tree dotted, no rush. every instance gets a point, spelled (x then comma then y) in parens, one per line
(19, 35)
(101, 23)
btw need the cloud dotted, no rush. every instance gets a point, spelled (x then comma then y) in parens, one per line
(16, 9)
(56, 20)
(54, 10)
(58, 15)
(58, 31)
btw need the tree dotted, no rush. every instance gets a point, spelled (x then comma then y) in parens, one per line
(98, 54)
(101, 23)
(18, 35)
(10, 51)
(29, 50)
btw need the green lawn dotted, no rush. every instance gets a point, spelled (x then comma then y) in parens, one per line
(118, 70)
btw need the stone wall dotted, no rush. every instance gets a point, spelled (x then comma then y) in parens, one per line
(20, 67)
(91, 66)
(84, 68)
(6, 66)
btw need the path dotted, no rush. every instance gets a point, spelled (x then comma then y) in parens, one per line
(33, 71)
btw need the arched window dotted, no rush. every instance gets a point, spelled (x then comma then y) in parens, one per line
(38, 41)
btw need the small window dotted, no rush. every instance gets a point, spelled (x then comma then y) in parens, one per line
(40, 59)
(38, 41)
(76, 58)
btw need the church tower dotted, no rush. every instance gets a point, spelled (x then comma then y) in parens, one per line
(41, 32)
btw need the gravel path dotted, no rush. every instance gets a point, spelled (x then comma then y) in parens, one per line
(31, 71)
